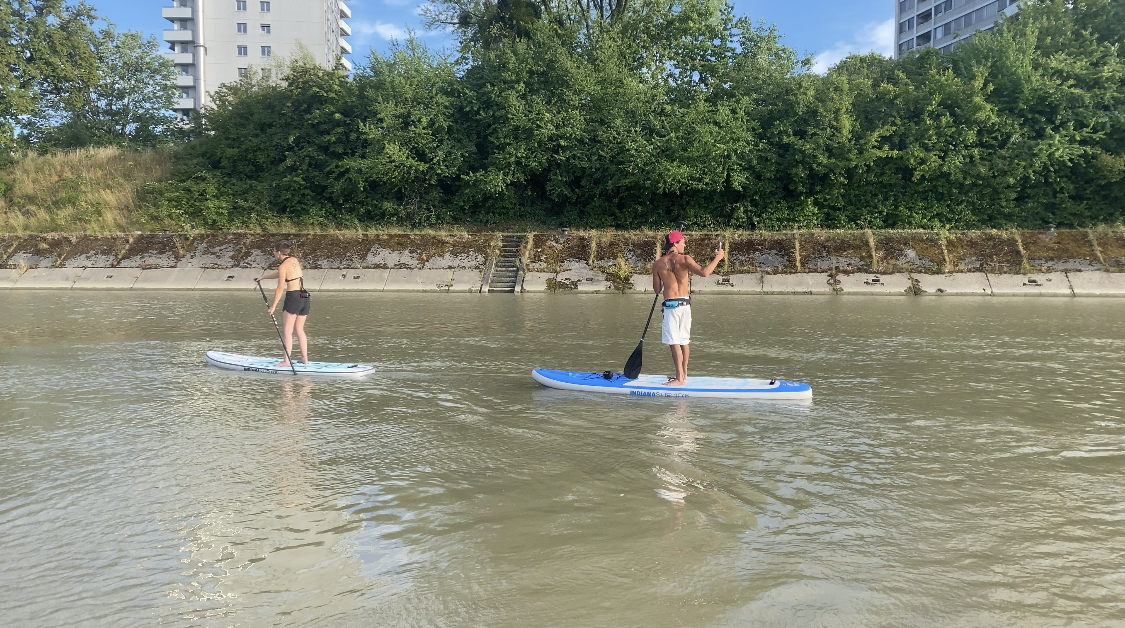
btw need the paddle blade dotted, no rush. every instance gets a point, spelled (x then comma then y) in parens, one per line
(633, 364)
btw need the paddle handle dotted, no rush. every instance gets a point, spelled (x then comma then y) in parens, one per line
(278, 327)
(649, 321)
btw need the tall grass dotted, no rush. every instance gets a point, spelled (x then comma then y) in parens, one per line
(96, 190)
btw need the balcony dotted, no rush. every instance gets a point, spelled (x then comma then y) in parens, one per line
(184, 103)
(347, 64)
(176, 13)
(180, 58)
(345, 47)
(345, 29)
(177, 37)
(185, 81)
(344, 10)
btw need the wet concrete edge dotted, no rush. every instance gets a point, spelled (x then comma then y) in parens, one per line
(891, 263)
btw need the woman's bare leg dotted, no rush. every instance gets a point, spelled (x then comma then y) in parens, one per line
(287, 323)
(301, 339)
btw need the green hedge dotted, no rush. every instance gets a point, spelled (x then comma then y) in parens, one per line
(677, 111)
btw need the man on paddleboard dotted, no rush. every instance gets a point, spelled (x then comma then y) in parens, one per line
(291, 285)
(670, 275)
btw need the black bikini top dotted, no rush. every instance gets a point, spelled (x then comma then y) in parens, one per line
(301, 278)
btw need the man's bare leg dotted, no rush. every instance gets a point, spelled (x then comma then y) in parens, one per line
(678, 362)
(301, 339)
(683, 367)
(287, 323)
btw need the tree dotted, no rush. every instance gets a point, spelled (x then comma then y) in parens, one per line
(47, 63)
(642, 112)
(131, 102)
(406, 102)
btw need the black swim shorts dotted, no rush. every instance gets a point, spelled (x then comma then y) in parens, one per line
(296, 304)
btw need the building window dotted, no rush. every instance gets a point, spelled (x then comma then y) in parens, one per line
(906, 25)
(924, 17)
(942, 7)
(184, 94)
(242, 51)
(240, 5)
(183, 48)
(266, 51)
(264, 6)
(267, 74)
(923, 38)
(906, 46)
(241, 28)
(945, 30)
(241, 72)
(905, 5)
(975, 17)
(265, 29)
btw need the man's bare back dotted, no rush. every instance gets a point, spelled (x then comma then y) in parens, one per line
(671, 272)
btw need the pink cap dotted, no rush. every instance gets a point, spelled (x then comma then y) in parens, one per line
(675, 237)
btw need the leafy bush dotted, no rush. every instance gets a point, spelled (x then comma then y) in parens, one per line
(653, 112)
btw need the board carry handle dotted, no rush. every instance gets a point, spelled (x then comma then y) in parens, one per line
(276, 326)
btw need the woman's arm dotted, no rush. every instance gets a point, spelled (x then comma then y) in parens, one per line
(282, 273)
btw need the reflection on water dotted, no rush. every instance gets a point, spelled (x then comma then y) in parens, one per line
(272, 552)
(958, 466)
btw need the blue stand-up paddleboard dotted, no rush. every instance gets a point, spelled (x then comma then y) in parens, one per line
(652, 386)
(236, 362)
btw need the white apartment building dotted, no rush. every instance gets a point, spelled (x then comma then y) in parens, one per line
(212, 42)
(943, 23)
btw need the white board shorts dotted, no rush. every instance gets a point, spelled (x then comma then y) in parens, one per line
(676, 328)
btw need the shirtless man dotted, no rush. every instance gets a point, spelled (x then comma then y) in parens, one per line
(670, 274)
(291, 284)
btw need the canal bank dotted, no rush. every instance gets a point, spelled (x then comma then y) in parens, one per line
(891, 263)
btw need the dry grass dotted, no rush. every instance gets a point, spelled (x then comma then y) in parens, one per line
(85, 191)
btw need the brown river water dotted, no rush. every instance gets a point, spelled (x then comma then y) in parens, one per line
(960, 464)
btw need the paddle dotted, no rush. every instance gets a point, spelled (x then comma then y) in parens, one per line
(275, 326)
(633, 364)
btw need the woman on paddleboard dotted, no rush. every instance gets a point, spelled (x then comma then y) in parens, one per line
(291, 284)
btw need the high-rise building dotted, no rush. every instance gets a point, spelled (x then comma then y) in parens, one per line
(943, 23)
(212, 42)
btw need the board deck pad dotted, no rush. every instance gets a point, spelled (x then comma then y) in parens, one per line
(256, 364)
(653, 385)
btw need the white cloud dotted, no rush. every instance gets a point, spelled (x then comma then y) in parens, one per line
(382, 29)
(873, 37)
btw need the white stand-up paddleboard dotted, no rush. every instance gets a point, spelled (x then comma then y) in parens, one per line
(236, 362)
(653, 386)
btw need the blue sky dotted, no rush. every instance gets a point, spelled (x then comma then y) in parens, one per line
(829, 29)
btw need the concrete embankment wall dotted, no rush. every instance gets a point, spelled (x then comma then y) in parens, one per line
(901, 263)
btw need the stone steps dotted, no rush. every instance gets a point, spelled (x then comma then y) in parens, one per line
(506, 269)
